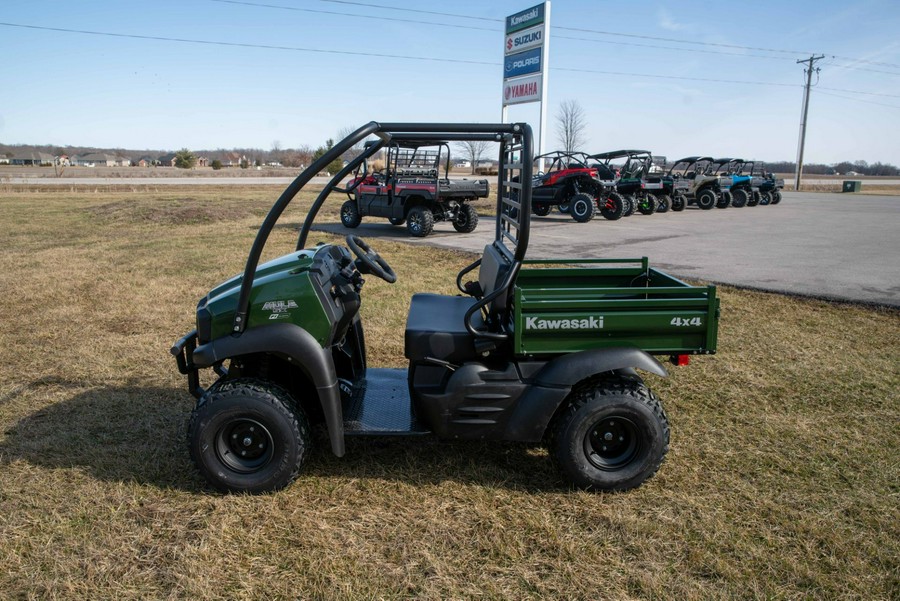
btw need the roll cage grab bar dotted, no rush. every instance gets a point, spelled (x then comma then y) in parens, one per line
(513, 196)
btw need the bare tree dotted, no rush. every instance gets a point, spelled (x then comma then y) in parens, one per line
(571, 124)
(473, 150)
(354, 150)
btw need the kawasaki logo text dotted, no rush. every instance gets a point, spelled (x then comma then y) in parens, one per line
(589, 323)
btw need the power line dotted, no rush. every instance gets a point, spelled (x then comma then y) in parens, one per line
(681, 77)
(413, 10)
(819, 91)
(340, 14)
(860, 92)
(247, 45)
(741, 54)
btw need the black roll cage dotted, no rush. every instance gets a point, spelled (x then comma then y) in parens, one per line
(513, 194)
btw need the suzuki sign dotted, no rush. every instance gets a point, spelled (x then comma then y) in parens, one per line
(524, 40)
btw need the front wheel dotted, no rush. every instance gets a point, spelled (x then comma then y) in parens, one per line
(663, 202)
(466, 219)
(706, 199)
(630, 205)
(678, 203)
(540, 208)
(396, 220)
(740, 198)
(612, 435)
(776, 197)
(725, 199)
(563, 207)
(350, 216)
(647, 205)
(582, 207)
(613, 207)
(248, 436)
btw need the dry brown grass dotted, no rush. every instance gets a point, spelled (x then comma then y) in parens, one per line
(782, 481)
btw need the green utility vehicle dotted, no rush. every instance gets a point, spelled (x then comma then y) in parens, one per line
(531, 350)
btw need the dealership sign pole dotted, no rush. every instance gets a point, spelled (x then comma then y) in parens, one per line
(526, 51)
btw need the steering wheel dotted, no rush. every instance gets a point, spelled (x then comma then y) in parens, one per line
(371, 260)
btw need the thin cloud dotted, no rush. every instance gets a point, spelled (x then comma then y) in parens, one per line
(667, 21)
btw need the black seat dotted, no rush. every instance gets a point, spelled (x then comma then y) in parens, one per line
(436, 328)
(436, 325)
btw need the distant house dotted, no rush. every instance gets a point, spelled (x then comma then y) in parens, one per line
(92, 159)
(166, 160)
(202, 162)
(144, 161)
(35, 159)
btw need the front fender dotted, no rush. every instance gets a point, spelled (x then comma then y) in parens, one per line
(299, 348)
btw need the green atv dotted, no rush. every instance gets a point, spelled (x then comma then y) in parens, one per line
(532, 350)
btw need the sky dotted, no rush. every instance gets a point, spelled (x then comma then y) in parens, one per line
(331, 64)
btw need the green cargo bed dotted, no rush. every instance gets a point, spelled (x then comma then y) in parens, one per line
(564, 306)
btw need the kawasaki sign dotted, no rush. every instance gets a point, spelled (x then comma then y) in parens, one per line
(586, 323)
(524, 19)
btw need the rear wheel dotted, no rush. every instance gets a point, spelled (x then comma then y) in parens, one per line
(752, 199)
(563, 207)
(776, 197)
(248, 436)
(706, 199)
(647, 205)
(419, 222)
(613, 207)
(350, 216)
(740, 199)
(612, 435)
(466, 219)
(724, 200)
(540, 208)
(765, 198)
(663, 202)
(581, 207)
(630, 205)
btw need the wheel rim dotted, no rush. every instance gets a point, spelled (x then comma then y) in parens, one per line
(415, 222)
(612, 443)
(244, 445)
(346, 216)
(580, 208)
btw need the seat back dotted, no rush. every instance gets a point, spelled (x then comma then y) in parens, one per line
(494, 267)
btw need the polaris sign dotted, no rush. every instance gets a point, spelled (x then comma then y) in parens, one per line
(524, 40)
(522, 63)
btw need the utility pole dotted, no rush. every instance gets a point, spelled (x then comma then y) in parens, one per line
(809, 71)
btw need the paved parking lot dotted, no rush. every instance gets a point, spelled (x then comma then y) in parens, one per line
(840, 246)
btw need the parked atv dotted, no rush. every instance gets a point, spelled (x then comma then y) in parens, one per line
(735, 188)
(703, 190)
(628, 178)
(410, 189)
(770, 187)
(669, 191)
(574, 188)
(530, 352)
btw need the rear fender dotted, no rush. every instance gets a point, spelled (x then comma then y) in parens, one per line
(555, 380)
(299, 348)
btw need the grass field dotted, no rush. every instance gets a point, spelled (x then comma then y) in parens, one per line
(782, 481)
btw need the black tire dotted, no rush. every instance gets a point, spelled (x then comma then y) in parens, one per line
(350, 216)
(612, 435)
(765, 198)
(706, 199)
(752, 199)
(248, 436)
(540, 208)
(419, 222)
(581, 207)
(613, 207)
(397, 220)
(466, 219)
(776, 197)
(663, 203)
(678, 203)
(724, 200)
(563, 207)
(740, 199)
(630, 205)
(647, 205)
